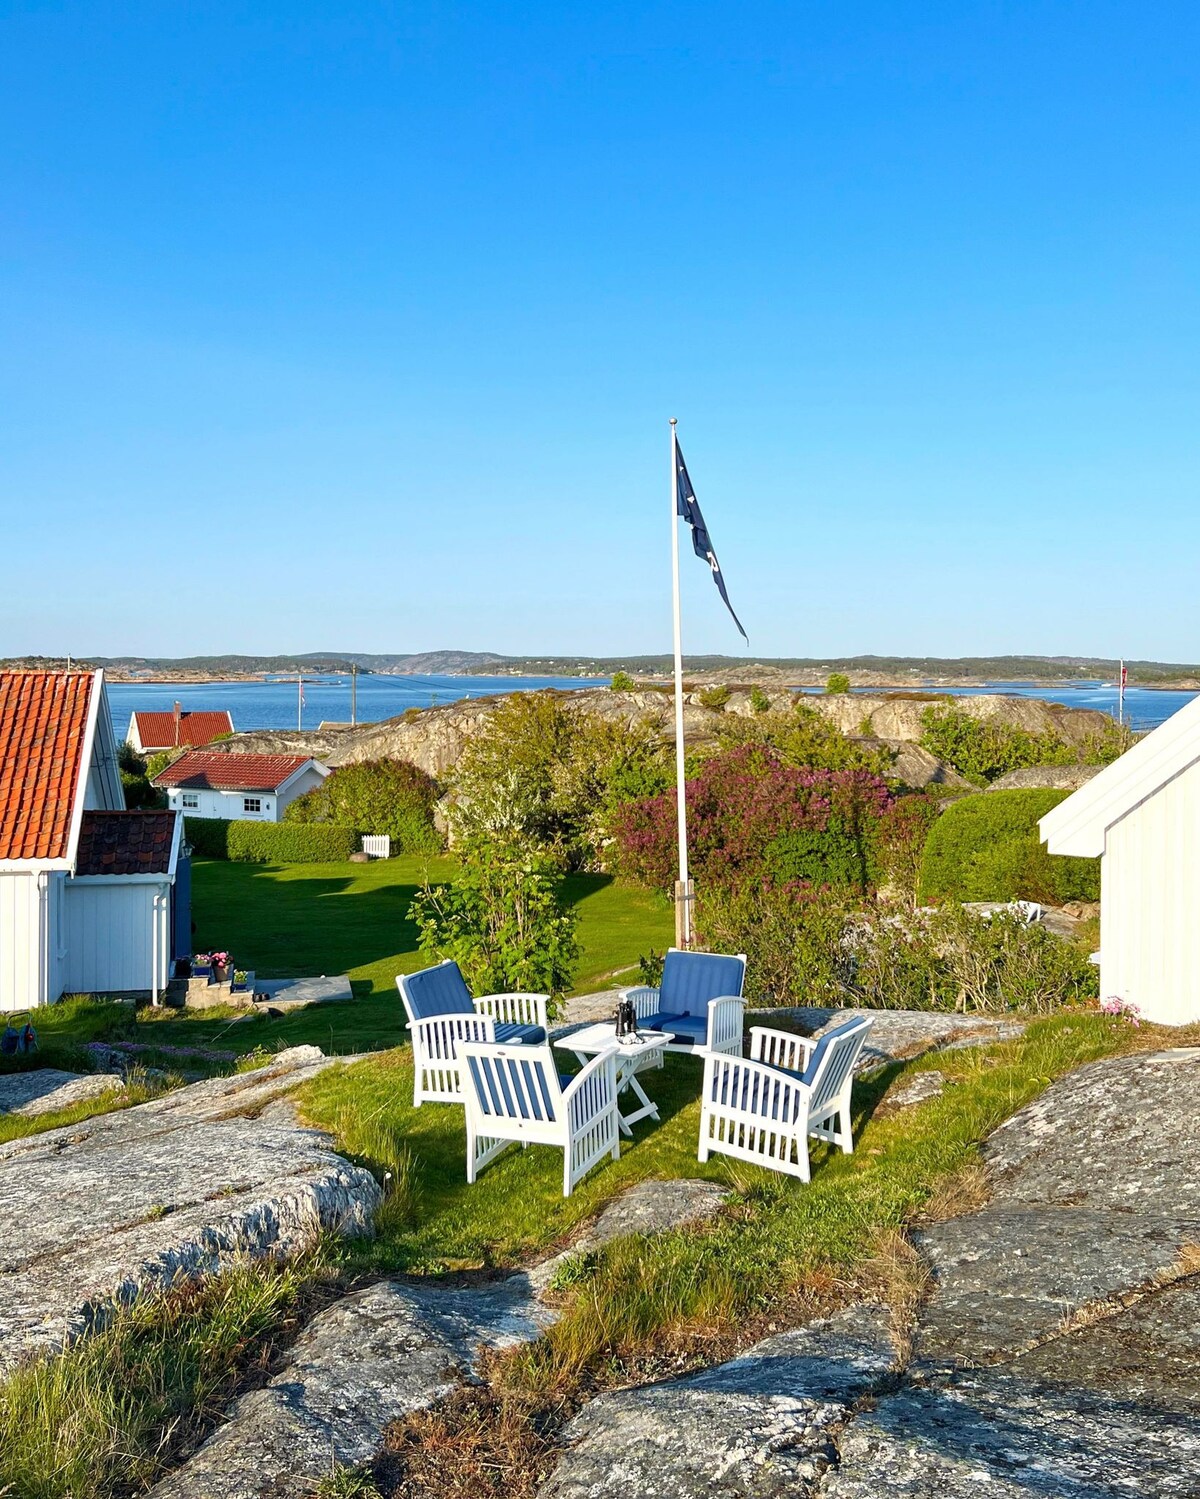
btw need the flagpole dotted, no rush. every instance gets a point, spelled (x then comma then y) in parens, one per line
(683, 890)
(299, 699)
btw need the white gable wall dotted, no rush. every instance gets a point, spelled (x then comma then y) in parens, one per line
(21, 941)
(1150, 904)
(118, 935)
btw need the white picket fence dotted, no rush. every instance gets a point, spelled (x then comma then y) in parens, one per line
(377, 845)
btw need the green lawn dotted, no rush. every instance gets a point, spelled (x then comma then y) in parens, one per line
(297, 920)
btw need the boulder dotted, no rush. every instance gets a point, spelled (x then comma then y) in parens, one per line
(48, 1088)
(1050, 777)
(96, 1213)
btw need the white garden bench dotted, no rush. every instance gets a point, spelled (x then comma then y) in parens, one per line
(765, 1107)
(442, 1014)
(698, 1004)
(515, 1095)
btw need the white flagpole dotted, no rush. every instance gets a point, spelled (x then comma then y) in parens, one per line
(299, 699)
(1121, 692)
(683, 891)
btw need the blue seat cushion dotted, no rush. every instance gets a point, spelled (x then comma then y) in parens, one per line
(438, 991)
(520, 1035)
(691, 979)
(686, 1030)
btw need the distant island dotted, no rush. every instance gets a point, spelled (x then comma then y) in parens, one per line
(894, 672)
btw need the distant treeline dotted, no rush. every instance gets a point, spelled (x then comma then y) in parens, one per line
(485, 663)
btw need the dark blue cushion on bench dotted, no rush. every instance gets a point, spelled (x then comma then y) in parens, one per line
(691, 979)
(686, 1030)
(520, 1035)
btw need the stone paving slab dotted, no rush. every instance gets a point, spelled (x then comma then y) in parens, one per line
(96, 1212)
(49, 1088)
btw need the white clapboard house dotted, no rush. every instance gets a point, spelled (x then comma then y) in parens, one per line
(1141, 817)
(93, 899)
(258, 788)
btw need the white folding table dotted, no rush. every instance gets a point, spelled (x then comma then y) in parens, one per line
(632, 1052)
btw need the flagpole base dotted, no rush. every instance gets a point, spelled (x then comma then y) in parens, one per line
(685, 897)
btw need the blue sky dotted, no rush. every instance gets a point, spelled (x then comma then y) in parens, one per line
(358, 327)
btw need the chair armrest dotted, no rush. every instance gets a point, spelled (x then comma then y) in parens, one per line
(515, 1009)
(645, 1000)
(725, 1018)
(781, 1048)
(593, 1090)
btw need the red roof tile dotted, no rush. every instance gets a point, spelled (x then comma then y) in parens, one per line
(157, 730)
(43, 724)
(125, 843)
(215, 770)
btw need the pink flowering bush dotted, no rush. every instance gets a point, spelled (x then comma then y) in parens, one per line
(1125, 1008)
(751, 817)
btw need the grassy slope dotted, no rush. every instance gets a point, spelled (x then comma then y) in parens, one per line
(124, 1389)
(302, 919)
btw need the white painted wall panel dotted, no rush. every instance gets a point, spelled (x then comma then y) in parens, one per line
(110, 938)
(1150, 904)
(20, 942)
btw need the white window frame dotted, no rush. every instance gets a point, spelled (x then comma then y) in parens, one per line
(252, 804)
(189, 800)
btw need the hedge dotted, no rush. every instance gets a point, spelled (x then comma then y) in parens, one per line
(270, 842)
(987, 847)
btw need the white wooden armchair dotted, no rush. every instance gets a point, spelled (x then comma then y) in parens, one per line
(441, 1014)
(515, 1094)
(764, 1108)
(699, 1003)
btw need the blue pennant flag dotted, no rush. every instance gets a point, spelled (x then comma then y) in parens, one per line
(701, 541)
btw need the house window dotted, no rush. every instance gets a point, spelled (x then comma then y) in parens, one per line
(190, 799)
(252, 804)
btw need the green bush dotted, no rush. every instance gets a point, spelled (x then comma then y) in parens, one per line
(504, 922)
(804, 737)
(759, 701)
(987, 847)
(983, 748)
(714, 698)
(622, 682)
(837, 683)
(391, 797)
(270, 842)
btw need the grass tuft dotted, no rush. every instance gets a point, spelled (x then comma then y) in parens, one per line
(109, 1413)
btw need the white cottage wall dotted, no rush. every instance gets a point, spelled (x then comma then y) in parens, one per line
(22, 940)
(112, 944)
(1150, 904)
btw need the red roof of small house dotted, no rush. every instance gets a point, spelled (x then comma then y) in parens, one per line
(157, 730)
(125, 843)
(43, 729)
(215, 770)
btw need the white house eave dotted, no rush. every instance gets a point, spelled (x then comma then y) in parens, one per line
(34, 866)
(1078, 825)
(83, 769)
(122, 879)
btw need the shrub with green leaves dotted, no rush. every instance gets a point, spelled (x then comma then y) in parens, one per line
(270, 842)
(503, 921)
(987, 847)
(714, 698)
(547, 776)
(392, 797)
(622, 682)
(759, 701)
(837, 683)
(804, 738)
(983, 748)
(899, 840)
(792, 937)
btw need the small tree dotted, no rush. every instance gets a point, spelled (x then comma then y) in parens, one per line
(837, 683)
(622, 682)
(759, 701)
(715, 698)
(503, 921)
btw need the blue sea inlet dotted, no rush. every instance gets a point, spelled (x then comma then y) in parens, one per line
(272, 705)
